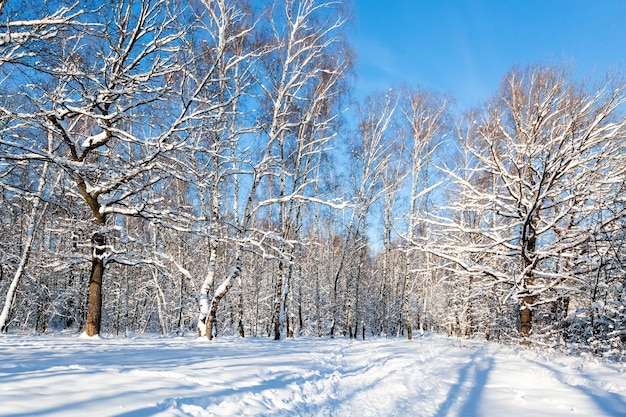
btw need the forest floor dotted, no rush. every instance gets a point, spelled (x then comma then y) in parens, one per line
(63, 375)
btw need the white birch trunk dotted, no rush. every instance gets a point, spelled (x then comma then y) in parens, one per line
(35, 216)
(207, 284)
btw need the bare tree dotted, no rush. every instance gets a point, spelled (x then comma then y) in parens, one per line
(546, 145)
(371, 155)
(97, 94)
(18, 39)
(220, 72)
(424, 124)
(303, 83)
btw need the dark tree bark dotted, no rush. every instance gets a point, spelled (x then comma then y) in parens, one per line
(94, 298)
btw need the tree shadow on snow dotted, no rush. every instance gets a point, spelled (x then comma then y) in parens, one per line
(471, 383)
(611, 403)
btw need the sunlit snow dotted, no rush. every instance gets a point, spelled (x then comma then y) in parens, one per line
(430, 376)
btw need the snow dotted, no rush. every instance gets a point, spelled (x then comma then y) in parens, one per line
(95, 141)
(67, 375)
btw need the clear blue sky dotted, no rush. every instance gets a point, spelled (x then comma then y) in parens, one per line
(465, 47)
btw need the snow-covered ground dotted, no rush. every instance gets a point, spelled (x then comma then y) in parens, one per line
(431, 376)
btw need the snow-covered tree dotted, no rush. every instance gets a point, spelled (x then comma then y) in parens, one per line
(540, 158)
(424, 123)
(371, 158)
(277, 77)
(102, 94)
(302, 82)
(21, 34)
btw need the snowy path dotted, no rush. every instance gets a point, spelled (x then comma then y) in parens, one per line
(431, 376)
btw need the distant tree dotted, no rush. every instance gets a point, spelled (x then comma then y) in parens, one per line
(424, 123)
(371, 157)
(303, 83)
(35, 31)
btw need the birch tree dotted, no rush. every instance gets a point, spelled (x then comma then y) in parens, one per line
(370, 156)
(425, 121)
(33, 219)
(21, 35)
(272, 163)
(302, 83)
(221, 74)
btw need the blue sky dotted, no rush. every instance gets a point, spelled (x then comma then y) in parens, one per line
(465, 47)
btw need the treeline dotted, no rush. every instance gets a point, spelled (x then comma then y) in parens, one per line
(183, 167)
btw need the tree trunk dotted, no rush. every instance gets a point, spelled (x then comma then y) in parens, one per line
(277, 316)
(407, 311)
(318, 310)
(181, 322)
(469, 311)
(5, 315)
(528, 255)
(409, 329)
(210, 322)
(334, 317)
(526, 316)
(220, 292)
(406, 290)
(240, 327)
(207, 284)
(349, 325)
(94, 299)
